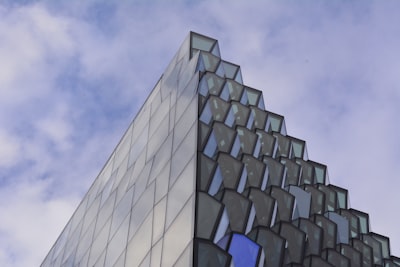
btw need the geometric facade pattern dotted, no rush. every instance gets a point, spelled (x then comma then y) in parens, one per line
(205, 176)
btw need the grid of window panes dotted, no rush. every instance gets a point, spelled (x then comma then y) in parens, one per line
(205, 176)
(260, 200)
(140, 209)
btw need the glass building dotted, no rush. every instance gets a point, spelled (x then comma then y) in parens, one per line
(205, 176)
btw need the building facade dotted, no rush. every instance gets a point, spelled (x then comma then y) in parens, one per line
(205, 176)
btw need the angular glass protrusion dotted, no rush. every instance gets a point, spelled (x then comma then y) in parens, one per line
(335, 258)
(363, 219)
(303, 201)
(231, 170)
(354, 223)
(208, 254)
(384, 242)
(276, 171)
(284, 147)
(264, 205)
(317, 200)
(238, 208)
(214, 109)
(285, 203)
(257, 172)
(352, 254)
(267, 142)
(295, 239)
(307, 172)
(245, 253)
(209, 212)
(329, 228)
(250, 96)
(342, 227)
(272, 244)
(230, 69)
(274, 123)
(211, 84)
(365, 250)
(314, 236)
(247, 139)
(376, 247)
(292, 172)
(231, 91)
(207, 62)
(330, 197)
(341, 193)
(201, 42)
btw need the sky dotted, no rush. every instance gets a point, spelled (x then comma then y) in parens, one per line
(74, 73)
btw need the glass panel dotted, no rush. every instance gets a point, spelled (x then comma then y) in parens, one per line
(180, 192)
(141, 209)
(247, 140)
(232, 91)
(251, 98)
(224, 136)
(292, 172)
(208, 254)
(365, 250)
(203, 133)
(264, 206)
(353, 222)
(283, 145)
(330, 197)
(260, 118)
(314, 236)
(336, 259)
(140, 244)
(230, 69)
(295, 242)
(303, 201)
(179, 235)
(317, 200)
(353, 255)
(273, 245)
(341, 194)
(307, 172)
(121, 211)
(117, 243)
(285, 202)
(297, 148)
(267, 142)
(255, 171)
(183, 126)
(244, 251)
(274, 123)
(376, 248)
(241, 113)
(342, 227)
(210, 61)
(275, 170)
(159, 212)
(209, 212)
(201, 42)
(385, 244)
(329, 229)
(238, 208)
(183, 154)
(231, 169)
(156, 254)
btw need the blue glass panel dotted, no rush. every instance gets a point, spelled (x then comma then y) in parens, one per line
(244, 251)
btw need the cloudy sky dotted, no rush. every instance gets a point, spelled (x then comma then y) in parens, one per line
(74, 73)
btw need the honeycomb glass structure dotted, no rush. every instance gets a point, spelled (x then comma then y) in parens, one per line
(206, 176)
